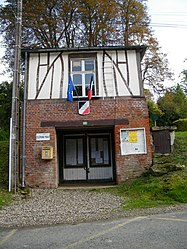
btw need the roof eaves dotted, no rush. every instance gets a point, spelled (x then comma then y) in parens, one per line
(141, 48)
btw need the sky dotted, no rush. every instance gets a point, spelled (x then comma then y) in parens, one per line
(169, 24)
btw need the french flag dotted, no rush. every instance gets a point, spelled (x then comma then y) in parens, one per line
(90, 88)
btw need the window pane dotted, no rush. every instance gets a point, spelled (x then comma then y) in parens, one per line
(80, 151)
(74, 151)
(78, 91)
(76, 65)
(88, 78)
(71, 152)
(87, 84)
(99, 151)
(89, 65)
(77, 79)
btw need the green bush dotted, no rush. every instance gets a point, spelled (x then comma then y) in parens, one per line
(4, 145)
(4, 135)
(181, 124)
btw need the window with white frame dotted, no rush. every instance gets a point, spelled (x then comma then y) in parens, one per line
(83, 71)
(133, 141)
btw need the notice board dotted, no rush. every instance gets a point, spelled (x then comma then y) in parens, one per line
(132, 141)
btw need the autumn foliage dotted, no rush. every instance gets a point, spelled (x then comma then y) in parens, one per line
(80, 23)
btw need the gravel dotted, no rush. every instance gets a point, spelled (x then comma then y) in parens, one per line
(58, 206)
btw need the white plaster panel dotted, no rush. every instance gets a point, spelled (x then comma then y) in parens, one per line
(133, 72)
(121, 56)
(66, 75)
(43, 59)
(45, 90)
(100, 73)
(122, 89)
(32, 72)
(58, 75)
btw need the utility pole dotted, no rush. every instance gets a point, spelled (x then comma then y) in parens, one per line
(14, 136)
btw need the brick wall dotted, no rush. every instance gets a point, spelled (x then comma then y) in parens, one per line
(44, 173)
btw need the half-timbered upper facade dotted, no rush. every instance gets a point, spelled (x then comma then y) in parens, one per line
(111, 142)
(116, 72)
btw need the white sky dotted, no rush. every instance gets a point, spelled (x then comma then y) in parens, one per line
(169, 22)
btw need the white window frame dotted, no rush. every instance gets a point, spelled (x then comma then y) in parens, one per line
(124, 143)
(83, 72)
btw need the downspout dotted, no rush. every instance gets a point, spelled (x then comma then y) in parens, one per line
(24, 121)
(10, 161)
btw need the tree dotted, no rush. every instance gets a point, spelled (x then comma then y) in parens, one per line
(174, 106)
(184, 81)
(155, 67)
(46, 24)
(154, 111)
(133, 20)
(72, 23)
(134, 29)
(5, 105)
(97, 20)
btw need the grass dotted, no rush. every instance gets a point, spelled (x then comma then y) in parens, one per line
(153, 191)
(5, 197)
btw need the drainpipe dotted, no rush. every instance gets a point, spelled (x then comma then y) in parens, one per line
(24, 121)
(10, 161)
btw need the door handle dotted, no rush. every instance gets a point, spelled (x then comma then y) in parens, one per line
(87, 169)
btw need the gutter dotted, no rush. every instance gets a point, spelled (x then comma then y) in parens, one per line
(24, 120)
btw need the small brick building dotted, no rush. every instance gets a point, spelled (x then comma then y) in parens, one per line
(104, 139)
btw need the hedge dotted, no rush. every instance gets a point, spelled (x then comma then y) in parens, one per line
(4, 146)
(181, 124)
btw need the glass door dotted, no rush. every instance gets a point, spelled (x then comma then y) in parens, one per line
(87, 157)
(74, 158)
(100, 155)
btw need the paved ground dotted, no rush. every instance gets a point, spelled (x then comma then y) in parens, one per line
(59, 206)
(166, 231)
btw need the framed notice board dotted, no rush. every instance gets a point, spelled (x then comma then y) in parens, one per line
(133, 141)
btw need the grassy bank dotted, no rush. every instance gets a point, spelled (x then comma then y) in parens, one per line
(167, 188)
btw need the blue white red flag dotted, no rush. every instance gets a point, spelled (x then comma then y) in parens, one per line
(90, 92)
(70, 90)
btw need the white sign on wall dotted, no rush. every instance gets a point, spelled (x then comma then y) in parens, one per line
(42, 136)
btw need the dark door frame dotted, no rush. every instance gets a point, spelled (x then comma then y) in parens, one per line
(61, 133)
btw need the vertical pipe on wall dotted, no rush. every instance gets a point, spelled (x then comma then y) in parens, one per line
(10, 161)
(24, 122)
(15, 99)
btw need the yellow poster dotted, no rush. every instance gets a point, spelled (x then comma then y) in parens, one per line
(133, 136)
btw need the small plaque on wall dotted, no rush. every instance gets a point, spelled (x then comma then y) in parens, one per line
(42, 136)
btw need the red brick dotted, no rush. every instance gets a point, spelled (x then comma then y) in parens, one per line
(45, 174)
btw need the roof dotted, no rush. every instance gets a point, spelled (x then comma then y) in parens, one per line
(140, 48)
